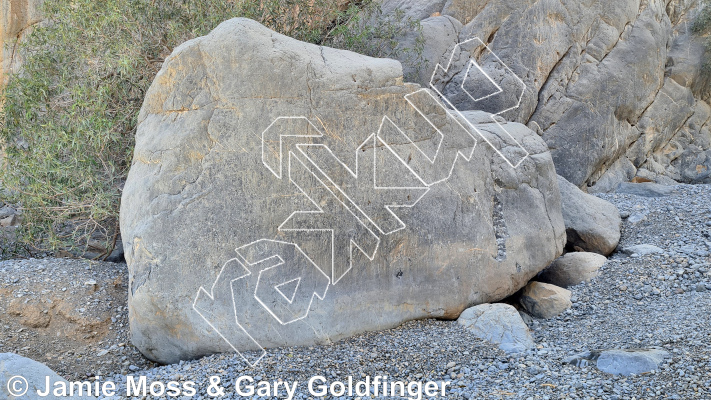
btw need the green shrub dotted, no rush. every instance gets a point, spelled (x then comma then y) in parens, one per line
(367, 30)
(702, 23)
(702, 27)
(69, 117)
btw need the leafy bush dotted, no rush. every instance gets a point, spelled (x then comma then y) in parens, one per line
(702, 23)
(367, 30)
(69, 117)
(702, 27)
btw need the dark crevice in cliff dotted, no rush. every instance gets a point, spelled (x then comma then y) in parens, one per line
(544, 86)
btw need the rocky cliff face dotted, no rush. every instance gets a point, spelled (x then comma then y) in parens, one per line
(613, 86)
(16, 20)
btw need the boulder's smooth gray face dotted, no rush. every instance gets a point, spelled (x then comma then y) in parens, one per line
(283, 193)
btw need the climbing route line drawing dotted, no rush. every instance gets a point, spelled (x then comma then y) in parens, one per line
(349, 204)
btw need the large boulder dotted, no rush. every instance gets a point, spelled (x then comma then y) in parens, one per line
(591, 223)
(354, 229)
(412, 9)
(426, 45)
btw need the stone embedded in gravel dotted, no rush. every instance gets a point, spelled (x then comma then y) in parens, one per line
(637, 217)
(544, 300)
(8, 221)
(499, 324)
(642, 249)
(620, 362)
(591, 223)
(6, 211)
(573, 268)
(34, 372)
(646, 189)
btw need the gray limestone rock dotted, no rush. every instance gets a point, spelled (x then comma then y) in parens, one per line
(645, 189)
(415, 9)
(346, 193)
(642, 249)
(437, 35)
(621, 362)
(592, 224)
(499, 324)
(612, 86)
(573, 268)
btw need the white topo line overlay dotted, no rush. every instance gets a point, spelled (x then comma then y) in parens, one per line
(266, 256)
(204, 312)
(254, 254)
(439, 69)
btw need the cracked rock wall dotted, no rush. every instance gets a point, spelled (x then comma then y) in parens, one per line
(614, 87)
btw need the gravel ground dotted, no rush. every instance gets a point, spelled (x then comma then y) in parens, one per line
(68, 314)
(658, 300)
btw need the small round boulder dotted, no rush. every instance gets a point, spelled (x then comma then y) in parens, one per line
(544, 300)
(573, 268)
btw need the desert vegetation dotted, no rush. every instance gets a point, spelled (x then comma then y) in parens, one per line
(69, 116)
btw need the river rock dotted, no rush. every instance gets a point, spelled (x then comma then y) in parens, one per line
(645, 189)
(33, 377)
(544, 300)
(277, 198)
(573, 268)
(642, 249)
(499, 324)
(620, 361)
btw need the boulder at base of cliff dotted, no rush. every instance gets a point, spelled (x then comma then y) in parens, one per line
(591, 223)
(283, 193)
